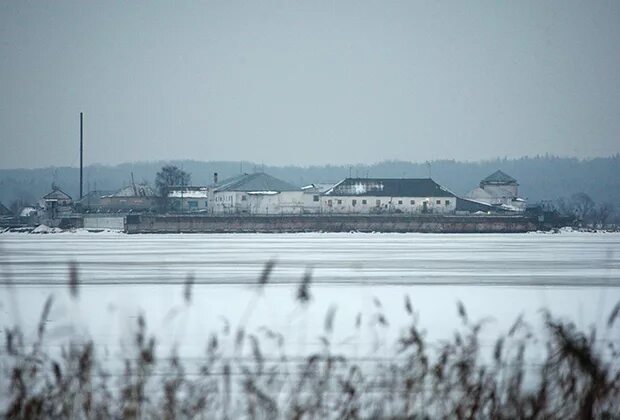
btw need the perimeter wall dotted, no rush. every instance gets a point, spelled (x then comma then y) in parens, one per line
(329, 223)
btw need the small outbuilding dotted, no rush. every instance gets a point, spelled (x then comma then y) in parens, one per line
(189, 199)
(56, 204)
(135, 197)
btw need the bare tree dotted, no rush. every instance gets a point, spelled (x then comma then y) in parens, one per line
(603, 212)
(582, 205)
(170, 176)
(17, 205)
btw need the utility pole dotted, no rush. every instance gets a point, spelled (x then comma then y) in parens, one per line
(81, 154)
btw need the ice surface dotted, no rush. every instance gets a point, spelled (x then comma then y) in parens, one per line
(575, 275)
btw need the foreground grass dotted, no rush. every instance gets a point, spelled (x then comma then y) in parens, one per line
(578, 377)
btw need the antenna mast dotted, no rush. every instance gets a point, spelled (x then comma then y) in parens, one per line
(81, 155)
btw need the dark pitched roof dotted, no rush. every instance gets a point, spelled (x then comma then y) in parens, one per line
(389, 187)
(464, 204)
(499, 177)
(57, 194)
(93, 198)
(254, 182)
(4, 211)
(137, 190)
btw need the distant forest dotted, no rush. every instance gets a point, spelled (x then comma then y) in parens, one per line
(541, 178)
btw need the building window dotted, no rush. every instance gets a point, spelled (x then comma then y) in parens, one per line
(378, 203)
(353, 202)
(315, 198)
(206, 204)
(412, 202)
(438, 202)
(400, 201)
(192, 205)
(329, 203)
(364, 202)
(244, 198)
(339, 201)
(447, 202)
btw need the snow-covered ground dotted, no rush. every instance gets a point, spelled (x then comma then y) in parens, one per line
(575, 275)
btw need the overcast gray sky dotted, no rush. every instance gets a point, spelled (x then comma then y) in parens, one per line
(310, 82)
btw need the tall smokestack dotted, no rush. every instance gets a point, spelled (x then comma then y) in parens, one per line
(81, 155)
(215, 177)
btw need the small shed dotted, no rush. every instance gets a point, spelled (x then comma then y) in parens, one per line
(189, 199)
(56, 203)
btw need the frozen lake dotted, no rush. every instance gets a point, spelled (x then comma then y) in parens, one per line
(575, 275)
(576, 259)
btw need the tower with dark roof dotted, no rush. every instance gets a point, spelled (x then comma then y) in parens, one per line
(498, 189)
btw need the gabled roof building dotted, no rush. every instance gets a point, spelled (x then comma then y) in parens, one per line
(56, 204)
(257, 193)
(134, 197)
(254, 183)
(388, 195)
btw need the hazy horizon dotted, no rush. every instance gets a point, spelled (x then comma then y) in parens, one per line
(307, 83)
(309, 165)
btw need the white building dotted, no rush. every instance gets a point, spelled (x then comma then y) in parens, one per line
(388, 195)
(255, 194)
(499, 189)
(56, 204)
(134, 197)
(189, 199)
(312, 197)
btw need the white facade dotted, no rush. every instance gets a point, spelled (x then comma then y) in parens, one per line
(257, 202)
(495, 196)
(498, 189)
(388, 195)
(190, 199)
(258, 194)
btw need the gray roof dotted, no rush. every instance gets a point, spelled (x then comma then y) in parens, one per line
(57, 194)
(138, 190)
(93, 198)
(499, 177)
(318, 188)
(254, 182)
(389, 187)
(464, 204)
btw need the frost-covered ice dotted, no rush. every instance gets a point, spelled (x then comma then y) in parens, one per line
(575, 275)
(46, 229)
(578, 259)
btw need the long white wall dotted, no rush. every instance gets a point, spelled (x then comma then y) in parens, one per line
(104, 222)
(298, 202)
(234, 202)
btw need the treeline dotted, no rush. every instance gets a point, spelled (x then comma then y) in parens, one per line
(541, 178)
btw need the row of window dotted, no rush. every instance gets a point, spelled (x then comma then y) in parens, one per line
(194, 204)
(226, 198)
(378, 202)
